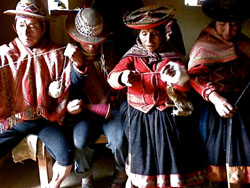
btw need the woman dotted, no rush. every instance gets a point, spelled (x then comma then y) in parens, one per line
(219, 65)
(159, 153)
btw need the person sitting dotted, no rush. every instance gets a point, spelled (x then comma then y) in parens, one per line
(95, 110)
(219, 67)
(34, 79)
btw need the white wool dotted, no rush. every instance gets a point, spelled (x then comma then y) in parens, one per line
(180, 77)
(55, 89)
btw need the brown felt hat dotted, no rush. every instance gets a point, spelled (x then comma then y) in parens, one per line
(30, 8)
(86, 26)
(149, 16)
(226, 10)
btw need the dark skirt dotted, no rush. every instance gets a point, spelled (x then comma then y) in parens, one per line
(164, 150)
(227, 140)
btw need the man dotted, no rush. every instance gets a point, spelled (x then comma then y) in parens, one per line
(99, 113)
(34, 79)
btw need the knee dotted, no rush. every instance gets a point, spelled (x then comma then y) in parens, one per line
(79, 143)
(115, 143)
(80, 135)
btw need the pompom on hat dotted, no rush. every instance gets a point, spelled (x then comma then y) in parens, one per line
(30, 8)
(87, 26)
(226, 10)
(149, 16)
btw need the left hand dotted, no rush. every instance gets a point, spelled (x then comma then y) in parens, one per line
(75, 106)
(173, 73)
(168, 70)
(74, 54)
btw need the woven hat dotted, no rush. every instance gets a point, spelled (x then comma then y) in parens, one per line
(149, 16)
(86, 26)
(29, 8)
(226, 10)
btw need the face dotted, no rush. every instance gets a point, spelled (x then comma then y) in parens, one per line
(29, 31)
(90, 48)
(150, 39)
(227, 30)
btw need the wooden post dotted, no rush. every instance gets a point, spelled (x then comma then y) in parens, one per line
(45, 163)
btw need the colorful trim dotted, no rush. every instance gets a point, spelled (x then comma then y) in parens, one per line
(164, 181)
(238, 174)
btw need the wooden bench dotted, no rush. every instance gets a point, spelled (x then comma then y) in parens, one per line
(45, 161)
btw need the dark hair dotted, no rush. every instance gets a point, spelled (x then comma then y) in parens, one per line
(162, 29)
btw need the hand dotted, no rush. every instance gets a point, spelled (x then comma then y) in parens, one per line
(222, 106)
(75, 106)
(173, 73)
(169, 70)
(74, 54)
(128, 77)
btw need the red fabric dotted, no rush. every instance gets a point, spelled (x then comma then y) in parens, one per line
(215, 62)
(148, 89)
(25, 77)
(99, 109)
(101, 97)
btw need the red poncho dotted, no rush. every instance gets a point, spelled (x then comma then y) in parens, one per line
(25, 76)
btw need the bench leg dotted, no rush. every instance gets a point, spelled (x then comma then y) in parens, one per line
(45, 164)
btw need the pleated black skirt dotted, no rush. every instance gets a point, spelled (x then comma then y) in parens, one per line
(164, 150)
(227, 141)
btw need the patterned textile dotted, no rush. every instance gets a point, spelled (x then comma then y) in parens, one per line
(25, 76)
(216, 64)
(237, 174)
(212, 48)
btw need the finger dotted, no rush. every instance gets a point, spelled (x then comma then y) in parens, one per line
(76, 111)
(163, 70)
(228, 113)
(70, 49)
(129, 84)
(75, 101)
(167, 67)
(229, 106)
(172, 73)
(74, 108)
(226, 110)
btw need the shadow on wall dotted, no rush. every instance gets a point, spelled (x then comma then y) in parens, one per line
(6, 30)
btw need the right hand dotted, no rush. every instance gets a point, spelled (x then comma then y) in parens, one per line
(128, 77)
(74, 54)
(222, 106)
(75, 106)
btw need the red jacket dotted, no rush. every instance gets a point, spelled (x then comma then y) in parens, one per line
(148, 90)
